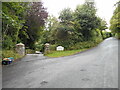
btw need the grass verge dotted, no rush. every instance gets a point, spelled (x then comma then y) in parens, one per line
(10, 53)
(63, 53)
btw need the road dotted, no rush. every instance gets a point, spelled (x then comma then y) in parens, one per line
(94, 68)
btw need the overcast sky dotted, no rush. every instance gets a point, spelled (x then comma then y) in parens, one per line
(105, 7)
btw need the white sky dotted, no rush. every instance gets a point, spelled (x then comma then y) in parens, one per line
(105, 7)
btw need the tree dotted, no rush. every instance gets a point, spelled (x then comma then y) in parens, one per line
(34, 25)
(66, 15)
(115, 20)
(51, 29)
(12, 22)
(102, 27)
(65, 31)
(22, 22)
(72, 27)
(86, 19)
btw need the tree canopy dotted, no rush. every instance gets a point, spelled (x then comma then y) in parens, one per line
(76, 26)
(85, 16)
(115, 20)
(22, 22)
(35, 26)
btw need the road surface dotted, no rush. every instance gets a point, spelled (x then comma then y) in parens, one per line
(94, 68)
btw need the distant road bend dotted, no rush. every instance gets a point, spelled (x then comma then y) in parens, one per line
(94, 68)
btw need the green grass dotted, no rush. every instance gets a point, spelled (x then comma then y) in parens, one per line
(63, 53)
(78, 47)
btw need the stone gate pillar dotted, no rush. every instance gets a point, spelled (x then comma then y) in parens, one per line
(47, 48)
(20, 49)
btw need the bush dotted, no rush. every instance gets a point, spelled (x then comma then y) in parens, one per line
(87, 44)
(53, 47)
(30, 51)
(10, 53)
(79, 45)
(117, 35)
(7, 43)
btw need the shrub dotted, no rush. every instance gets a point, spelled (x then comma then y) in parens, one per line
(30, 51)
(117, 35)
(10, 53)
(83, 45)
(7, 43)
(79, 45)
(53, 47)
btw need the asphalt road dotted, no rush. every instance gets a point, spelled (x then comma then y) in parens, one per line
(94, 68)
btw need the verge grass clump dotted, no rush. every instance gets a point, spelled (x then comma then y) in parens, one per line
(10, 53)
(63, 53)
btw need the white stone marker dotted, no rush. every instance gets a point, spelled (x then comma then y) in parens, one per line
(60, 48)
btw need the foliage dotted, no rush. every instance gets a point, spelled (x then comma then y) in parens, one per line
(8, 43)
(10, 53)
(51, 29)
(78, 47)
(115, 21)
(66, 15)
(53, 47)
(22, 22)
(106, 34)
(29, 51)
(76, 29)
(73, 27)
(35, 20)
(86, 19)
(12, 21)
(85, 44)
(103, 27)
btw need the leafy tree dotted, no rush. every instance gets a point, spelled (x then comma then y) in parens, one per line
(115, 20)
(34, 25)
(74, 27)
(12, 22)
(65, 30)
(22, 22)
(51, 30)
(86, 19)
(66, 15)
(103, 27)
(48, 35)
